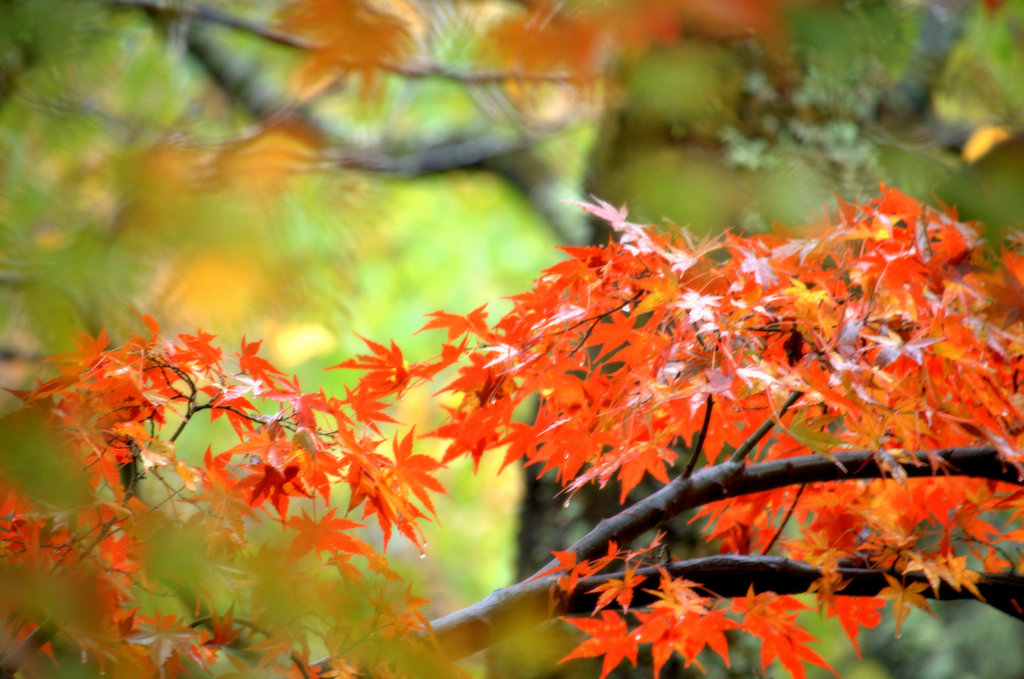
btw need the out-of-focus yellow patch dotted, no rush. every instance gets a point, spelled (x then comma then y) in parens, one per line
(349, 36)
(213, 290)
(262, 163)
(166, 168)
(982, 140)
(293, 343)
(50, 238)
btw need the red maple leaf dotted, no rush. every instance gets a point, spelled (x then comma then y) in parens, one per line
(415, 472)
(768, 616)
(330, 534)
(275, 486)
(609, 637)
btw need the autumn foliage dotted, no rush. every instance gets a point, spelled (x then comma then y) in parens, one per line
(840, 406)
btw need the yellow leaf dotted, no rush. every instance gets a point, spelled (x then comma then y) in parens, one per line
(903, 598)
(187, 477)
(215, 288)
(350, 36)
(982, 140)
(805, 299)
(156, 453)
(294, 343)
(949, 350)
(958, 575)
(262, 163)
(933, 571)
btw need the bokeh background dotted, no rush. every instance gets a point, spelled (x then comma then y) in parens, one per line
(306, 172)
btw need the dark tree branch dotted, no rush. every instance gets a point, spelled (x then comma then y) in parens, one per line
(423, 68)
(733, 479)
(512, 156)
(25, 651)
(474, 628)
(451, 155)
(535, 601)
(13, 354)
(730, 576)
(785, 520)
(741, 453)
(242, 84)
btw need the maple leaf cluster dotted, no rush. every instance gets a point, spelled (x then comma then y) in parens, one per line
(884, 324)
(120, 413)
(817, 396)
(886, 334)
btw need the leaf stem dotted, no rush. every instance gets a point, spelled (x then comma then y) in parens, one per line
(763, 430)
(698, 445)
(785, 519)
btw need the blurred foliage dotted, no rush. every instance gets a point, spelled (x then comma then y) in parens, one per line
(717, 134)
(138, 172)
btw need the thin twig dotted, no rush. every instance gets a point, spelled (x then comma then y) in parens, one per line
(411, 69)
(698, 445)
(12, 354)
(594, 320)
(763, 430)
(785, 519)
(213, 15)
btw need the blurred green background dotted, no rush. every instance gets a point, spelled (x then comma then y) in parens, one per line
(158, 158)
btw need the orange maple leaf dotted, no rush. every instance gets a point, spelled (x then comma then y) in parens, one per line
(620, 591)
